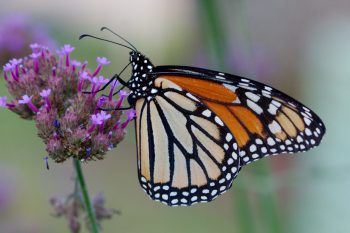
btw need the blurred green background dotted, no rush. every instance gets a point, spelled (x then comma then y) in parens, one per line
(301, 47)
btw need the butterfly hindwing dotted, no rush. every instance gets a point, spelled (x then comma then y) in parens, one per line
(184, 156)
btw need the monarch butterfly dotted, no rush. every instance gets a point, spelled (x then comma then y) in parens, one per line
(197, 128)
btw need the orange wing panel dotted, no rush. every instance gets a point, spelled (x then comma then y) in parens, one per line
(238, 119)
(238, 131)
(250, 120)
(203, 88)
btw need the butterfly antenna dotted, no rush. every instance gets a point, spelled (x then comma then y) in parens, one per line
(106, 28)
(98, 38)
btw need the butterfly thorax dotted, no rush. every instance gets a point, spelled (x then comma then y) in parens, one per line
(140, 83)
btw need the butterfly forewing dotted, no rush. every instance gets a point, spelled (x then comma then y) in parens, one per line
(263, 120)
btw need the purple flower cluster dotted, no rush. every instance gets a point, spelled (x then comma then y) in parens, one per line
(16, 33)
(48, 88)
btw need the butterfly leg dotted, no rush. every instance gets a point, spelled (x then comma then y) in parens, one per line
(124, 84)
(104, 87)
(116, 76)
(115, 109)
(121, 81)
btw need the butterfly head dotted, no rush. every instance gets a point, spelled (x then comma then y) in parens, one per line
(139, 81)
(137, 58)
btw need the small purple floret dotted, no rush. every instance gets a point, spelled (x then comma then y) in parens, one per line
(54, 72)
(45, 94)
(83, 76)
(28, 100)
(102, 61)
(104, 116)
(75, 64)
(100, 102)
(35, 47)
(7, 67)
(131, 115)
(96, 120)
(25, 99)
(84, 66)
(114, 84)
(35, 57)
(15, 61)
(3, 103)
(102, 80)
(122, 95)
(67, 49)
(15, 65)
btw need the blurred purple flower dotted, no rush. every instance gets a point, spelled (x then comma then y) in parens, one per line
(7, 187)
(5, 196)
(101, 212)
(72, 208)
(17, 31)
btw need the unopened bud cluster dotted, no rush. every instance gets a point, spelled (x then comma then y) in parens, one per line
(73, 210)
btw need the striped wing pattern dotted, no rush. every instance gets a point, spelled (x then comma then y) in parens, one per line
(199, 127)
(184, 157)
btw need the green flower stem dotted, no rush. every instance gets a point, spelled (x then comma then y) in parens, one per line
(85, 194)
(243, 207)
(214, 30)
